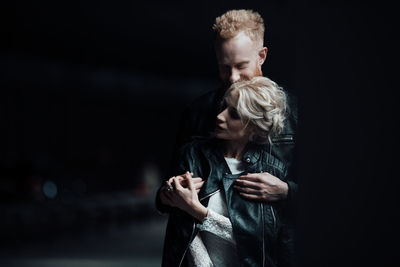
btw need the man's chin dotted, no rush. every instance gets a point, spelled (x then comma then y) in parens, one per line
(226, 85)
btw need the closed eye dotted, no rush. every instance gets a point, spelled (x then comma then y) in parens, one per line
(242, 65)
(222, 105)
(233, 113)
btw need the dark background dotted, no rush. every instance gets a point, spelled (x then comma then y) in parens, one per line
(91, 94)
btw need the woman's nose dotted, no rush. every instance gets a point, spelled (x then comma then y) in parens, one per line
(221, 116)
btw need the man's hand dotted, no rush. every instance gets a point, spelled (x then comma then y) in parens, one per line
(261, 186)
(167, 190)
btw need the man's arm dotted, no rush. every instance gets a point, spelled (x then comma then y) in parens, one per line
(183, 135)
(266, 187)
(180, 166)
(262, 186)
(197, 119)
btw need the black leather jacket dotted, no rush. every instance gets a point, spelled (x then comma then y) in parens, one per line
(263, 231)
(199, 119)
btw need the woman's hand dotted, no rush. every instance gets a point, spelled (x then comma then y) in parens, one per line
(186, 198)
(166, 190)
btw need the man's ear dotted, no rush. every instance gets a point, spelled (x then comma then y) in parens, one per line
(262, 55)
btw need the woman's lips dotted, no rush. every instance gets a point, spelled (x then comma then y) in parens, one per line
(219, 128)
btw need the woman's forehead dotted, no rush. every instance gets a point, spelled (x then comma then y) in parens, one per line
(232, 96)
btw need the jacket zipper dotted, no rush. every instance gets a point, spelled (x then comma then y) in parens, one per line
(273, 216)
(184, 253)
(209, 195)
(193, 227)
(263, 236)
(285, 138)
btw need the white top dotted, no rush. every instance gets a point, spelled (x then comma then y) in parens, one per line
(214, 244)
(235, 166)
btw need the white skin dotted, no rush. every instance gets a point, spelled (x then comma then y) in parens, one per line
(169, 197)
(239, 58)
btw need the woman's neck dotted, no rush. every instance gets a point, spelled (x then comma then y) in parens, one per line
(235, 149)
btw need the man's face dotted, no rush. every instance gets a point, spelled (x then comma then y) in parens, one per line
(239, 59)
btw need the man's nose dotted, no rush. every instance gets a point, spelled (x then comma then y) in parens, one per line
(234, 76)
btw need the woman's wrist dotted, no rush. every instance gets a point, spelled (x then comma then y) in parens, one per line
(199, 212)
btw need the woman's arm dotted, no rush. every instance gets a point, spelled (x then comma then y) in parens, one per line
(164, 192)
(199, 253)
(186, 198)
(218, 225)
(183, 164)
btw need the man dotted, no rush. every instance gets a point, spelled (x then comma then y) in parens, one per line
(240, 51)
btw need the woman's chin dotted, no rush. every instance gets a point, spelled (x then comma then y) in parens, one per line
(221, 136)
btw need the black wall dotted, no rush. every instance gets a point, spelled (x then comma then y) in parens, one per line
(91, 91)
(346, 82)
(95, 89)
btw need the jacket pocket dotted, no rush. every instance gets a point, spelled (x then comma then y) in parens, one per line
(283, 153)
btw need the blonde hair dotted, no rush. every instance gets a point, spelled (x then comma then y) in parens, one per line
(262, 103)
(233, 22)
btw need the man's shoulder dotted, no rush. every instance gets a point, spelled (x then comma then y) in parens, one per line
(198, 144)
(209, 95)
(291, 114)
(209, 98)
(292, 104)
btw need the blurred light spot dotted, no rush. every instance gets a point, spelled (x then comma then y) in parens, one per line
(149, 183)
(50, 189)
(151, 174)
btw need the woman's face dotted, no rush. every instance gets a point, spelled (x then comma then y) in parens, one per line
(229, 126)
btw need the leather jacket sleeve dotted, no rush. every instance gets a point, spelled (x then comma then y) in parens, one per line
(288, 152)
(293, 181)
(179, 166)
(197, 119)
(293, 190)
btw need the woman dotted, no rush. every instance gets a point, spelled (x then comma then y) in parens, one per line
(216, 226)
